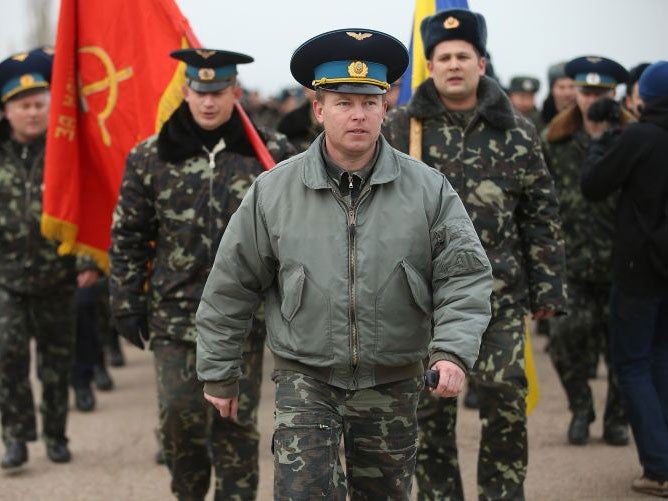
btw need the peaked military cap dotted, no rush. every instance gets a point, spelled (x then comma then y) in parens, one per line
(524, 84)
(596, 71)
(24, 72)
(210, 70)
(454, 24)
(353, 61)
(634, 75)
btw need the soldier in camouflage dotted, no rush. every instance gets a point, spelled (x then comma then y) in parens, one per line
(179, 190)
(462, 124)
(522, 94)
(588, 229)
(37, 285)
(358, 250)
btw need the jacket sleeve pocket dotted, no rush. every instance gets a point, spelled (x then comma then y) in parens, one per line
(419, 288)
(292, 293)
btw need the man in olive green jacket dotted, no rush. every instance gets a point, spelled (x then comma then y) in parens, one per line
(357, 249)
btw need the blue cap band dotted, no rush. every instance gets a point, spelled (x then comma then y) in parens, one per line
(335, 70)
(18, 84)
(595, 80)
(205, 74)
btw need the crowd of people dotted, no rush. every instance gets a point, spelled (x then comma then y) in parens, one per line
(389, 240)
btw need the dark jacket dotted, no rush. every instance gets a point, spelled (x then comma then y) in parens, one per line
(635, 160)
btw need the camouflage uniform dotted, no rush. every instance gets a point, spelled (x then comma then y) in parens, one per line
(181, 197)
(36, 300)
(300, 126)
(492, 158)
(588, 229)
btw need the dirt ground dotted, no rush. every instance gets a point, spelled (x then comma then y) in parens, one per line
(113, 447)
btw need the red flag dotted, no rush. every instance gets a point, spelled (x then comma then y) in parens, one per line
(113, 85)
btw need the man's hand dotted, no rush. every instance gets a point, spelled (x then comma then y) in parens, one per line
(86, 278)
(134, 328)
(227, 407)
(451, 379)
(543, 314)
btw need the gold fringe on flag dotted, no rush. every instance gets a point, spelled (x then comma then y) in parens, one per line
(66, 233)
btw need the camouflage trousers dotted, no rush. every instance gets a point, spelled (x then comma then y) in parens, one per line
(50, 320)
(570, 351)
(192, 434)
(379, 430)
(502, 387)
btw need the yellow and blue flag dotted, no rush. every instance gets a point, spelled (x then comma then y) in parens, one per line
(416, 73)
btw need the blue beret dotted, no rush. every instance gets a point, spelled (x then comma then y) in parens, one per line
(596, 71)
(352, 60)
(653, 82)
(23, 72)
(210, 70)
(454, 24)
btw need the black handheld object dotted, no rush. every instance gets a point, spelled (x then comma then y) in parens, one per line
(605, 110)
(430, 378)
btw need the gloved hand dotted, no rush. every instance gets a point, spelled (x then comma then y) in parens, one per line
(134, 328)
(605, 109)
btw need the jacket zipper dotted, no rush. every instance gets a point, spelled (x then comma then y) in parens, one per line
(220, 146)
(351, 213)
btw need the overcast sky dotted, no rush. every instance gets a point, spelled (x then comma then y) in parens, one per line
(525, 36)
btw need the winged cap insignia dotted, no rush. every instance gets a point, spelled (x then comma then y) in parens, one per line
(206, 54)
(358, 36)
(594, 60)
(20, 57)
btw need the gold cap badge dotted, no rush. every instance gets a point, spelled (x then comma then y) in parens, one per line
(593, 79)
(206, 74)
(358, 69)
(206, 54)
(358, 36)
(451, 23)
(26, 80)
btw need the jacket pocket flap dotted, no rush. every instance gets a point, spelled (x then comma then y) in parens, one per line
(419, 288)
(292, 293)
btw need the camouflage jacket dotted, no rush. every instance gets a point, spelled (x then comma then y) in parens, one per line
(300, 126)
(174, 205)
(588, 226)
(496, 165)
(30, 263)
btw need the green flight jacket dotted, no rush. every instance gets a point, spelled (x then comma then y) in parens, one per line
(351, 292)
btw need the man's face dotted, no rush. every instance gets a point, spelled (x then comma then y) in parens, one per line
(524, 102)
(28, 116)
(563, 91)
(456, 69)
(585, 96)
(633, 101)
(352, 122)
(212, 109)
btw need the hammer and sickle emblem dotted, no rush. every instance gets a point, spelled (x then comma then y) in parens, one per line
(110, 82)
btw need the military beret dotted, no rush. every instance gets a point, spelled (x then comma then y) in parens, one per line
(25, 71)
(524, 84)
(653, 82)
(352, 60)
(210, 70)
(596, 71)
(454, 24)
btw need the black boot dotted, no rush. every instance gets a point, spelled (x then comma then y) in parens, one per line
(16, 453)
(84, 398)
(102, 378)
(58, 452)
(616, 434)
(116, 358)
(578, 431)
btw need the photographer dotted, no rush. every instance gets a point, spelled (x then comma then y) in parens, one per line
(634, 161)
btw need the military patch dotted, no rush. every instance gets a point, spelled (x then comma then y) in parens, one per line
(451, 23)
(358, 36)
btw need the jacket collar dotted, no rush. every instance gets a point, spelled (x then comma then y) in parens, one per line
(493, 105)
(315, 176)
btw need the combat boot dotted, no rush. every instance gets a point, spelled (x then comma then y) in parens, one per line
(103, 381)
(616, 434)
(16, 454)
(578, 431)
(58, 452)
(84, 398)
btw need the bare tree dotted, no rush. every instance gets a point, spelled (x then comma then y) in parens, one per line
(41, 31)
